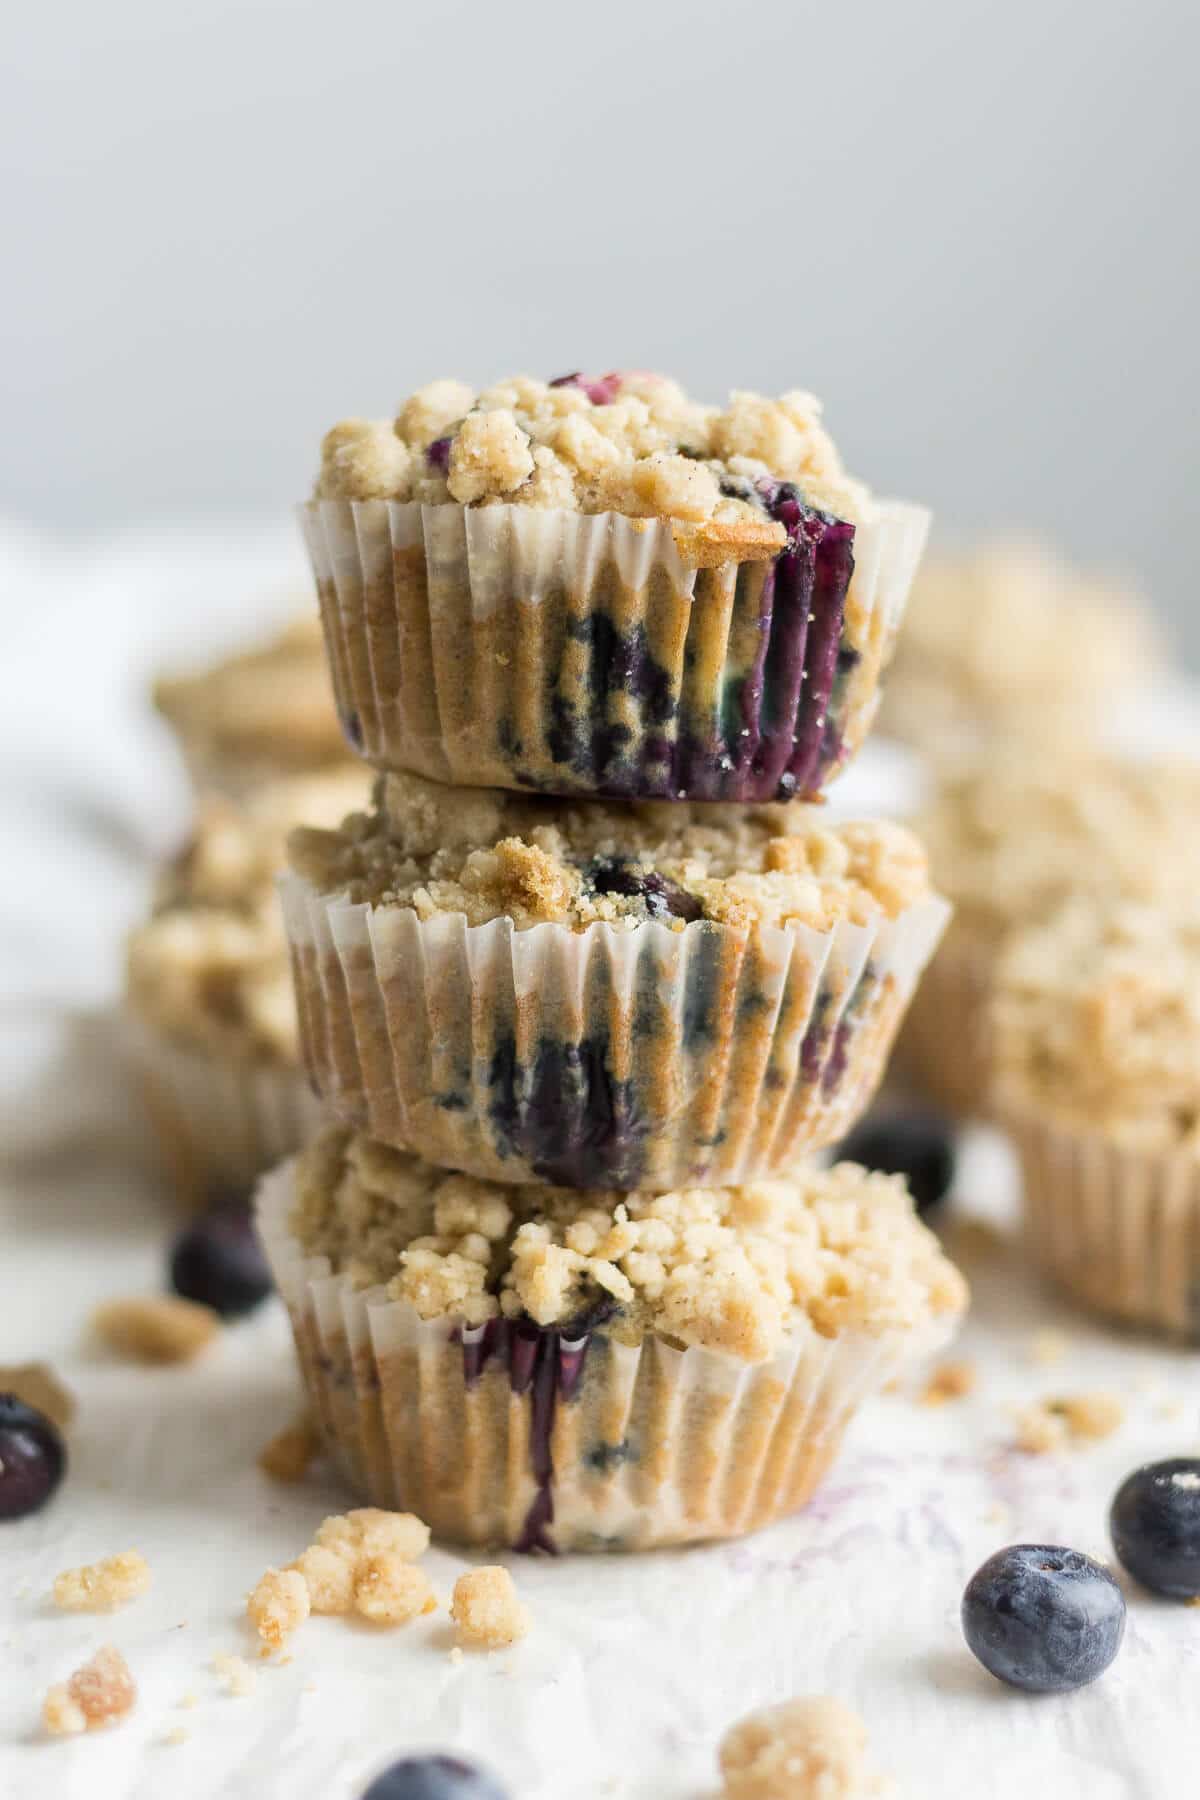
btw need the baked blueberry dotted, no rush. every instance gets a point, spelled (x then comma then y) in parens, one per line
(218, 1260)
(434, 1778)
(664, 899)
(917, 1145)
(33, 1458)
(1155, 1524)
(1043, 1618)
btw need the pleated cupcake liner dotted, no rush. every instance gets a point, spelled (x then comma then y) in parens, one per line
(220, 1123)
(1115, 1226)
(518, 647)
(518, 1436)
(599, 1058)
(944, 1044)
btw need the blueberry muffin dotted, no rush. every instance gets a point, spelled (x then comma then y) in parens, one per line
(1010, 641)
(598, 586)
(1096, 1043)
(608, 993)
(212, 1019)
(265, 713)
(1010, 835)
(555, 1370)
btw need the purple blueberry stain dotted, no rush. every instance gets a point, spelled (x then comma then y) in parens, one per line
(601, 390)
(437, 454)
(352, 728)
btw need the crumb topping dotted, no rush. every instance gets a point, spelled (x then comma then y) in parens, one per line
(236, 1675)
(289, 1455)
(278, 1605)
(950, 1381)
(99, 1693)
(628, 442)
(103, 1586)
(390, 1591)
(360, 1561)
(1096, 1018)
(1058, 1424)
(490, 854)
(156, 1328)
(487, 1611)
(38, 1386)
(210, 966)
(271, 704)
(735, 1269)
(1010, 836)
(810, 1749)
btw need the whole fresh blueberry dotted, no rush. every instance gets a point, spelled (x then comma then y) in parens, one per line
(1043, 1618)
(33, 1458)
(917, 1145)
(218, 1260)
(434, 1778)
(1155, 1524)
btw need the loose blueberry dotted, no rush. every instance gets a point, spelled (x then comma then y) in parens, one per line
(1043, 1618)
(1155, 1524)
(218, 1261)
(664, 899)
(918, 1146)
(434, 1778)
(33, 1458)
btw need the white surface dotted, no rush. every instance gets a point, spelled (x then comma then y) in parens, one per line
(635, 1665)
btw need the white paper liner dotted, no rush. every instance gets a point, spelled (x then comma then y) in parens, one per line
(457, 636)
(219, 1122)
(1114, 1226)
(707, 1055)
(943, 1046)
(658, 1445)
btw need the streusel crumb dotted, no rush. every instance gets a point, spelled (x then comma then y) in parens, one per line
(736, 1269)
(490, 854)
(487, 1611)
(329, 1576)
(390, 1591)
(103, 1586)
(291, 1452)
(370, 1531)
(952, 1381)
(156, 1328)
(38, 1386)
(278, 1606)
(1055, 1424)
(1048, 1346)
(811, 1749)
(99, 1693)
(238, 1678)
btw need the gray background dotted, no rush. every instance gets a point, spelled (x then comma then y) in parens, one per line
(971, 229)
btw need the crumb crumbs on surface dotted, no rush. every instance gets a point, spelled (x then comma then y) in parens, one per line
(235, 1674)
(156, 1328)
(277, 1605)
(1048, 1346)
(179, 1735)
(370, 1530)
(38, 1386)
(1058, 1423)
(329, 1576)
(807, 1749)
(486, 1609)
(950, 1381)
(291, 1452)
(456, 1655)
(998, 1515)
(99, 1693)
(103, 1586)
(190, 1700)
(390, 1591)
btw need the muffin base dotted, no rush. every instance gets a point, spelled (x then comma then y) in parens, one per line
(646, 1058)
(512, 1435)
(1117, 1228)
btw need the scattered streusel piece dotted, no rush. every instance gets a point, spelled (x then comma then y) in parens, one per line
(156, 1328)
(1048, 1346)
(951, 1381)
(390, 1591)
(278, 1605)
(1053, 1424)
(369, 1531)
(179, 1735)
(236, 1674)
(103, 1586)
(486, 1609)
(811, 1749)
(38, 1386)
(99, 1693)
(328, 1573)
(292, 1451)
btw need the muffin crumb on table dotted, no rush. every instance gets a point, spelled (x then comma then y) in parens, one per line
(277, 1606)
(101, 1692)
(235, 1674)
(288, 1456)
(390, 1591)
(103, 1586)
(38, 1386)
(156, 1328)
(486, 1609)
(950, 1381)
(1058, 1424)
(807, 1749)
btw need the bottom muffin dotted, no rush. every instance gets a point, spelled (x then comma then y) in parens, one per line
(556, 1370)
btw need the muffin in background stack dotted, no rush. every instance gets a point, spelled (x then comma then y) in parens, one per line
(606, 969)
(211, 1017)
(1009, 642)
(1011, 834)
(1095, 1026)
(265, 713)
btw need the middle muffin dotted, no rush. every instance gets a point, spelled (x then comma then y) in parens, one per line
(623, 995)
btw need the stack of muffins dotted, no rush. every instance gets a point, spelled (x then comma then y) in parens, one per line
(591, 981)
